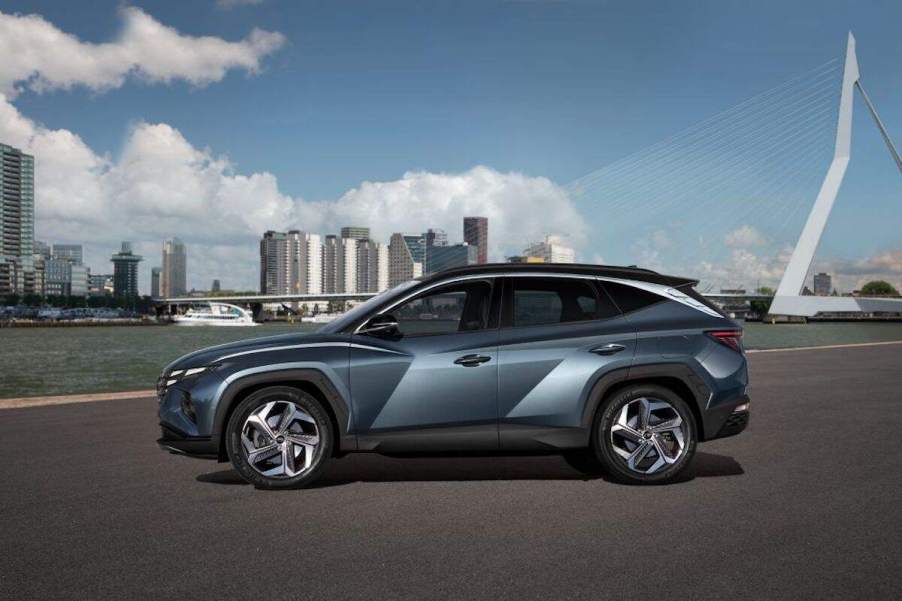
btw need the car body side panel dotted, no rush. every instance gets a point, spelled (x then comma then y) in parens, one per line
(413, 384)
(545, 373)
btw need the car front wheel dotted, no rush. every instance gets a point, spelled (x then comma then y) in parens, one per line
(279, 437)
(645, 434)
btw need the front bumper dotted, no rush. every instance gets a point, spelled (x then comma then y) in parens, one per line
(176, 441)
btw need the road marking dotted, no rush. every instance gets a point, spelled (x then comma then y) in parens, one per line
(826, 346)
(73, 398)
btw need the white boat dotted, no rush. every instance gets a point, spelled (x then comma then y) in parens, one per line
(215, 314)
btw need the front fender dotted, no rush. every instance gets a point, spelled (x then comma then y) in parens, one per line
(320, 375)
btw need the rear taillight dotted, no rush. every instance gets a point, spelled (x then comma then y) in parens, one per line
(730, 338)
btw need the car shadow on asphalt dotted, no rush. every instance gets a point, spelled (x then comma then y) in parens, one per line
(378, 468)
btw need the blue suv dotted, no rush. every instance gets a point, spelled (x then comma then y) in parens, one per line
(621, 369)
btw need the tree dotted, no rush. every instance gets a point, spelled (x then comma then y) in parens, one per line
(879, 288)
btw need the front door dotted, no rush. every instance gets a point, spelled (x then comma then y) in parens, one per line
(434, 385)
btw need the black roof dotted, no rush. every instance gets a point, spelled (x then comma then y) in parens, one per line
(610, 271)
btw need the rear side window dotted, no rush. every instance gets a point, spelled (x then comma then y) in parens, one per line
(630, 298)
(544, 301)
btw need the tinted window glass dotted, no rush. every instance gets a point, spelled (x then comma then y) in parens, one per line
(457, 308)
(541, 301)
(629, 298)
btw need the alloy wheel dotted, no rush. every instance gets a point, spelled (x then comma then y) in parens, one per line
(649, 435)
(280, 439)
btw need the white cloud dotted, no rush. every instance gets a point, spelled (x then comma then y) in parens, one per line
(161, 185)
(744, 236)
(38, 55)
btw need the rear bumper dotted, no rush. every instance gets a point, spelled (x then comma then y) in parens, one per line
(176, 441)
(736, 421)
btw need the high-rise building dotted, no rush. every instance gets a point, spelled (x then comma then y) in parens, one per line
(340, 265)
(551, 250)
(440, 258)
(68, 252)
(125, 271)
(305, 252)
(16, 221)
(476, 233)
(291, 263)
(372, 266)
(406, 258)
(436, 237)
(155, 273)
(100, 284)
(215, 287)
(78, 279)
(174, 274)
(42, 249)
(823, 284)
(355, 232)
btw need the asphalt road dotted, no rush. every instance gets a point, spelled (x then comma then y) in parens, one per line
(806, 504)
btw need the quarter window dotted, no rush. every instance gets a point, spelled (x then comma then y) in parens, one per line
(630, 298)
(456, 308)
(543, 301)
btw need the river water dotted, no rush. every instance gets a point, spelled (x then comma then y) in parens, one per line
(72, 360)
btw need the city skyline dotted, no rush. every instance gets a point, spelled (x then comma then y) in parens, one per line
(509, 158)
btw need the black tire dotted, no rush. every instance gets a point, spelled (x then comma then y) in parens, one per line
(308, 403)
(614, 465)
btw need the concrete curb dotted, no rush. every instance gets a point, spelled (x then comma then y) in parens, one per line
(73, 398)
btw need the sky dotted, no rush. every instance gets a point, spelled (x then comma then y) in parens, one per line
(216, 120)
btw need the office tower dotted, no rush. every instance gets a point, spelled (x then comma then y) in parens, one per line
(16, 221)
(215, 287)
(476, 233)
(551, 250)
(823, 284)
(174, 274)
(436, 237)
(406, 258)
(125, 271)
(372, 266)
(355, 232)
(155, 282)
(274, 266)
(440, 258)
(67, 252)
(100, 284)
(42, 249)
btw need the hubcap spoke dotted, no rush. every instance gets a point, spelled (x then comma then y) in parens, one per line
(280, 439)
(649, 434)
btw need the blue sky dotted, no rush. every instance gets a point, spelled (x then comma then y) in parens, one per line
(367, 91)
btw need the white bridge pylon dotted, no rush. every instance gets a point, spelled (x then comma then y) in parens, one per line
(788, 300)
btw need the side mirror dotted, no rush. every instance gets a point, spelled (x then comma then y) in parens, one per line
(381, 325)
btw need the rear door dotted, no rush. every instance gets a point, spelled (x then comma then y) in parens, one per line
(558, 335)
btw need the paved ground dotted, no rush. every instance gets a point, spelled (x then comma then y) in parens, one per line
(806, 504)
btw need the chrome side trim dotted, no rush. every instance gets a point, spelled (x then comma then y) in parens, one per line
(667, 292)
(307, 345)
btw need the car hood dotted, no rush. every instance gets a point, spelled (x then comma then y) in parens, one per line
(209, 355)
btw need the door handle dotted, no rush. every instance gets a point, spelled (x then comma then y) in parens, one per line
(471, 360)
(608, 349)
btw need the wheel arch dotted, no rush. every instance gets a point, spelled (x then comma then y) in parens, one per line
(677, 377)
(311, 381)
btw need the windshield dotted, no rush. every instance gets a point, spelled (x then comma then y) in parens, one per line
(365, 307)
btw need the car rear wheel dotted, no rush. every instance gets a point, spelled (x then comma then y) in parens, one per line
(645, 434)
(279, 437)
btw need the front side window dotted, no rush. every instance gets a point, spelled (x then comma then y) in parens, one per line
(544, 301)
(462, 307)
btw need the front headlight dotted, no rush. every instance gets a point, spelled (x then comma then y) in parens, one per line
(176, 375)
